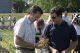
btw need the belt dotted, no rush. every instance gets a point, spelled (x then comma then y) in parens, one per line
(22, 48)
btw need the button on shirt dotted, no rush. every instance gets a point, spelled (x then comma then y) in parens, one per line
(60, 35)
(25, 29)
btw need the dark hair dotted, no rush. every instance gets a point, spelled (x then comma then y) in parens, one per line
(36, 8)
(40, 22)
(56, 10)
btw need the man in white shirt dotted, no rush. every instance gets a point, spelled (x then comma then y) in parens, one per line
(65, 17)
(24, 31)
(10, 20)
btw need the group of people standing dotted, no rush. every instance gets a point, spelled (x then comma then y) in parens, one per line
(10, 19)
(59, 29)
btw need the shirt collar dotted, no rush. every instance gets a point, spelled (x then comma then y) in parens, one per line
(28, 20)
(63, 23)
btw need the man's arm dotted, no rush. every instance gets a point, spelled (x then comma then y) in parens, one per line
(71, 47)
(22, 43)
(74, 38)
(53, 50)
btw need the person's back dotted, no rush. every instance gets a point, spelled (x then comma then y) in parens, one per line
(10, 18)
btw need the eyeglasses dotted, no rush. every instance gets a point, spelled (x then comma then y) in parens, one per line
(53, 17)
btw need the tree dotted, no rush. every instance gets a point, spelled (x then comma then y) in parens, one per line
(45, 4)
(69, 5)
(20, 5)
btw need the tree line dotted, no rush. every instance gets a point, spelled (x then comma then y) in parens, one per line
(69, 5)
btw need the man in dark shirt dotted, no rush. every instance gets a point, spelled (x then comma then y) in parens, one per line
(60, 33)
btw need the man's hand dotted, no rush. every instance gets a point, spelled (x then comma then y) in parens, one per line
(53, 50)
(65, 51)
(39, 46)
(43, 43)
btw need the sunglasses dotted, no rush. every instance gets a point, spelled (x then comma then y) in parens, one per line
(53, 17)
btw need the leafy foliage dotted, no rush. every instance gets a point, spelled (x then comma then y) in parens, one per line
(69, 5)
(20, 5)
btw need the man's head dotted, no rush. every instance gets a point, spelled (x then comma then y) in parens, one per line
(65, 13)
(35, 13)
(40, 24)
(56, 14)
(2, 16)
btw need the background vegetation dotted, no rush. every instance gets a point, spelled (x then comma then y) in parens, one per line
(69, 5)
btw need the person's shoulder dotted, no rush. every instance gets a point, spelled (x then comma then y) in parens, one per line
(69, 24)
(20, 21)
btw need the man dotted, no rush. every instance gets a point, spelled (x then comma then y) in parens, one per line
(39, 24)
(14, 20)
(60, 33)
(10, 21)
(3, 22)
(24, 31)
(76, 23)
(65, 17)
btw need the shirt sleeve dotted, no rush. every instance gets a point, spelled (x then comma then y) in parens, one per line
(19, 30)
(73, 35)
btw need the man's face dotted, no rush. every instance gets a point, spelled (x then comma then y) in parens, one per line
(65, 13)
(55, 18)
(36, 16)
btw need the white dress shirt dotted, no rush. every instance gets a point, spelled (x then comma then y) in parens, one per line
(10, 18)
(66, 18)
(25, 29)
